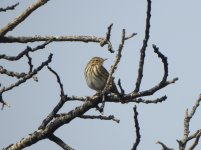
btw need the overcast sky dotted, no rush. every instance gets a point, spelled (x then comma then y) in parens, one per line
(175, 29)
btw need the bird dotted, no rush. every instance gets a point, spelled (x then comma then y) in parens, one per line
(96, 75)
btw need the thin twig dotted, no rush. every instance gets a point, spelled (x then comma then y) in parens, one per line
(59, 142)
(130, 36)
(143, 49)
(165, 63)
(63, 99)
(58, 81)
(3, 102)
(122, 90)
(110, 117)
(25, 52)
(137, 128)
(113, 68)
(29, 62)
(12, 7)
(164, 146)
(107, 39)
(28, 76)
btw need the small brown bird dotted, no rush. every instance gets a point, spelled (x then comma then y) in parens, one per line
(96, 75)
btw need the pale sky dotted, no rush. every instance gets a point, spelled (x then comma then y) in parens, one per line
(175, 29)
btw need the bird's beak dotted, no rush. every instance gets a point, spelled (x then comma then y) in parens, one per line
(105, 59)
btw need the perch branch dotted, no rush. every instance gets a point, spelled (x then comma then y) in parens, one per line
(117, 60)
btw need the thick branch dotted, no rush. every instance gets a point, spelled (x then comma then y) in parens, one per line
(53, 126)
(10, 26)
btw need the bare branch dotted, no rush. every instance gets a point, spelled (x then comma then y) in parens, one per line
(137, 128)
(29, 62)
(193, 110)
(107, 39)
(122, 90)
(165, 63)
(12, 7)
(117, 60)
(130, 36)
(53, 113)
(143, 49)
(58, 80)
(195, 143)
(53, 126)
(140, 100)
(3, 102)
(11, 73)
(38, 38)
(164, 146)
(58, 106)
(186, 138)
(59, 142)
(110, 117)
(10, 26)
(28, 76)
(25, 52)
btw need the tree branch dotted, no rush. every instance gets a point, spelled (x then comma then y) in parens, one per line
(10, 26)
(59, 142)
(63, 99)
(28, 76)
(164, 146)
(12, 7)
(186, 138)
(137, 128)
(12, 73)
(25, 52)
(165, 63)
(110, 117)
(143, 49)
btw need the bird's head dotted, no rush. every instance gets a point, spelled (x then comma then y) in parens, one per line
(97, 61)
